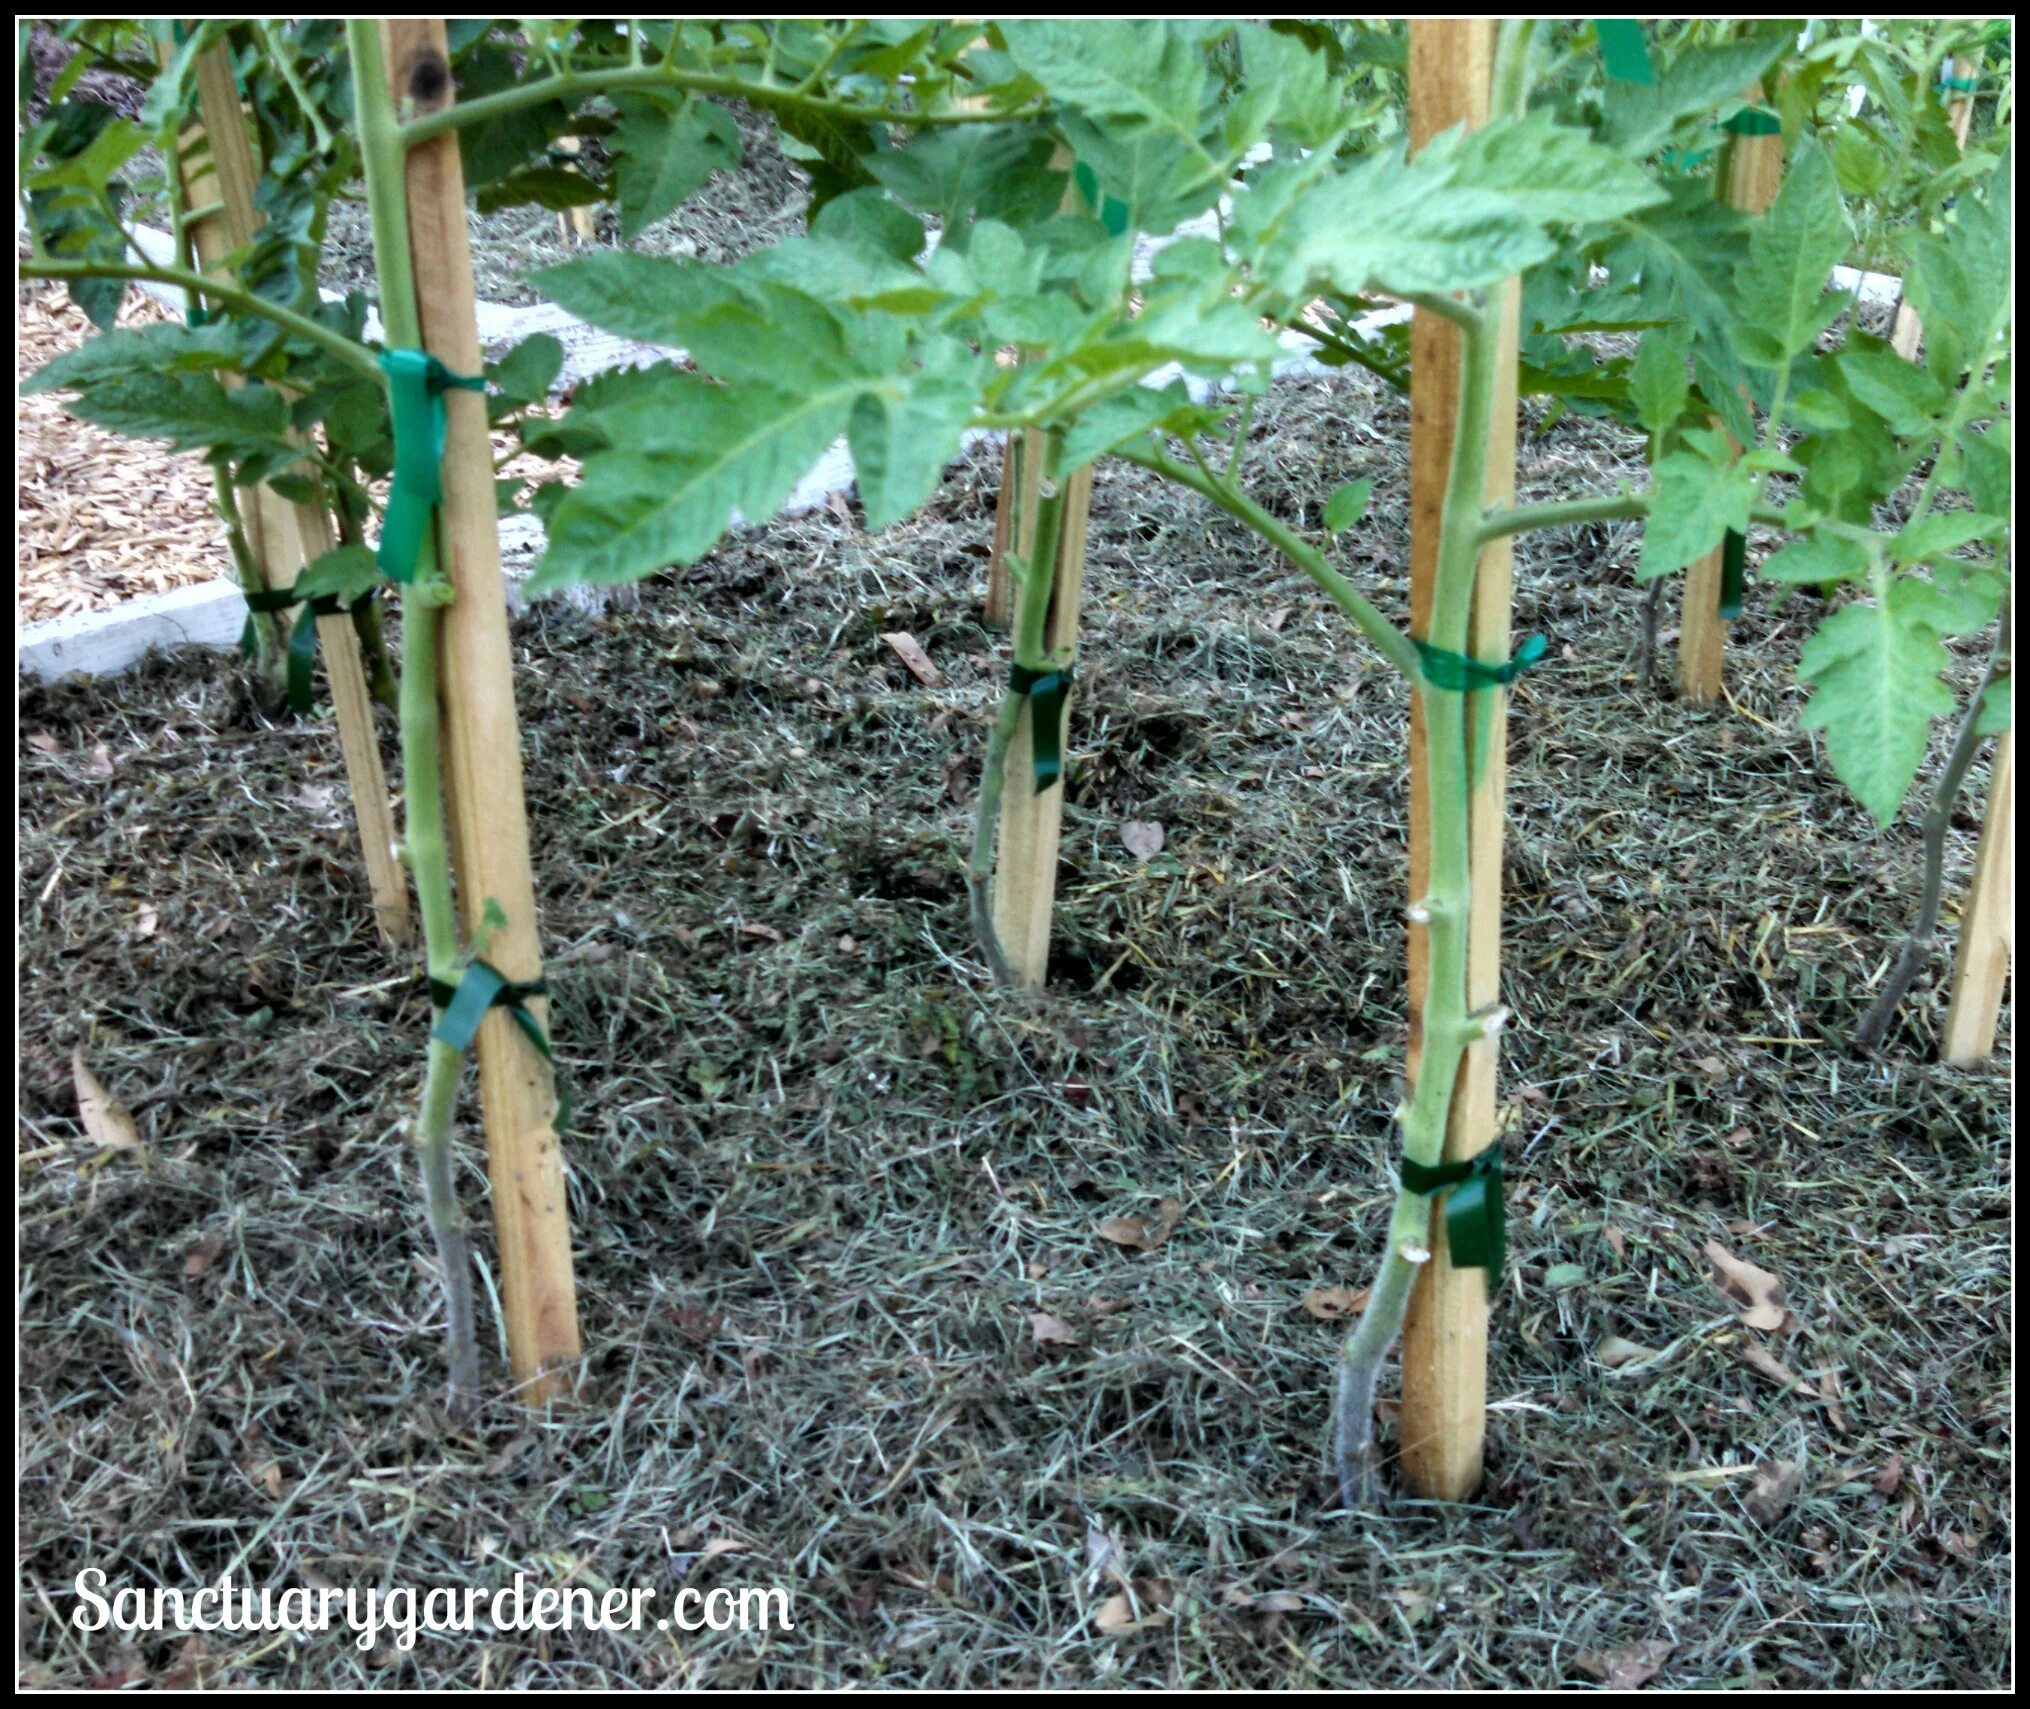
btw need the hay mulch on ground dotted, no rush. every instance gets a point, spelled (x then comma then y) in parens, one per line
(99, 518)
(854, 1322)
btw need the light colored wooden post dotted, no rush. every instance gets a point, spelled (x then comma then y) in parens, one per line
(1444, 1419)
(281, 536)
(575, 222)
(1909, 330)
(1025, 865)
(1988, 922)
(1754, 175)
(489, 826)
(1014, 516)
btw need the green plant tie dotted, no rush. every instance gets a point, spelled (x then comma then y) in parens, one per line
(1046, 691)
(483, 986)
(302, 636)
(417, 382)
(1623, 52)
(1957, 85)
(1733, 574)
(1475, 1231)
(1680, 161)
(1461, 675)
(1753, 121)
(1113, 213)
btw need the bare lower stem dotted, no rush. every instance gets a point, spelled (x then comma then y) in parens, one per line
(986, 820)
(447, 1225)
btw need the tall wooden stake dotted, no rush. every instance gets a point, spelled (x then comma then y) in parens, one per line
(577, 222)
(1909, 329)
(284, 537)
(1025, 862)
(1754, 175)
(1988, 922)
(1445, 1336)
(489, 827)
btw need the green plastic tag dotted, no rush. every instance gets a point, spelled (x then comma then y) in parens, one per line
(1112, 214)
(1046, 691)
(1461, 675)
(482, 987)
(1476, 1234)
(1753, 121)
(1623, 52)
(1733, 574)
(417, 382)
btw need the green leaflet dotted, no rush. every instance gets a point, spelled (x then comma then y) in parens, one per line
(1642, 117)
(901, 443)
(1875, 688)
(666, 150)
(1127, 415)
(1817, 560)
(685, 456)
(1552, 173)
(524, 375)
(1658, 385)
(1345, 508)
(1792, 251)
(193, 412)
(1940, 533)
(163, 349)
(1147, 75)
(1695, 500)
(1900, 392)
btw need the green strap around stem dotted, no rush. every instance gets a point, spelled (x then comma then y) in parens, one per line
(1753, 121)
(302, 636)
(1475, 1228)
(1956, 85)
(1733, 574)
(1046, 691)
(417, 382)
(1461, 675)
(1623, 53)
(1112, 213)
(482, 987)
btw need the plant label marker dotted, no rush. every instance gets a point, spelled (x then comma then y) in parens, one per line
(1445, 1335)
(489, 826)
(283, 537)
(1908, 332)
(1988, 928)
(1025, 870)
(1754, 175)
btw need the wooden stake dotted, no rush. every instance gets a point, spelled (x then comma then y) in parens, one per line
(1014, 517)
(1444, 1416)
(284, 537)
(575, 222)
(1988, 923)
(1909, 330)
(1025, 862)
(1754, 175)
(489, 827)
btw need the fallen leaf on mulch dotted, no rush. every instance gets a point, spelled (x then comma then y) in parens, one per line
(1614, 1352)
(1334, 1305)
(1137, 1231)
(1118, 1614)
(1890, 1478)
(1754, 1290)
(1770, 1366)
(1631, 1665)
(106, 1121)
(203, 1254)
(1051, 1331)
(912, 654)
(1775, 1488)
(1142, 838)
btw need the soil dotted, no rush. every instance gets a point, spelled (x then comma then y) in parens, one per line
(851, 1325)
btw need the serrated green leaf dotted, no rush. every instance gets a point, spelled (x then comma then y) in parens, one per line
(902, 435)
(1792, 251)
(555, 187)
(1128, 415)
(684, 456)
(1555, 174)
(1658, 384)
(1900, 392)
(193, 412)
(666, 151)
(1875, 688)
(1348, 505)
(526, 373)
(1694, 501)
(344, 573)
(1821, 560)
(1997, 711)
(1940, 533)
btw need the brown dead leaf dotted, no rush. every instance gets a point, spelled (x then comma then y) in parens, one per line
(1614, 1352)
(1890, 1478)
(1617, 1242)
(1335, 1305)
(1051, 1331)
(1769, 1365)
(1755, 1290)
(912, 654)
(106, 1121)
(203, 1255)
(1276, 619)
(1630, 1665)
(1122, 1613)
(1775, 1488)
(1140, 1232)
(755, 929)
(45, 742)
(1142, 838)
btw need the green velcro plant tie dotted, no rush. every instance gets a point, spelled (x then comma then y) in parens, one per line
(1046, 691)
(1623, 53)
(1957, 85)
(417, 382)
(1733, 574)
(302, 635)
(482, 987)
(1461, 675)
(1475, 1228)
(1753, 121)
(1112, 212)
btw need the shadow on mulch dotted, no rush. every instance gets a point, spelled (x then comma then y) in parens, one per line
(822, 1178)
